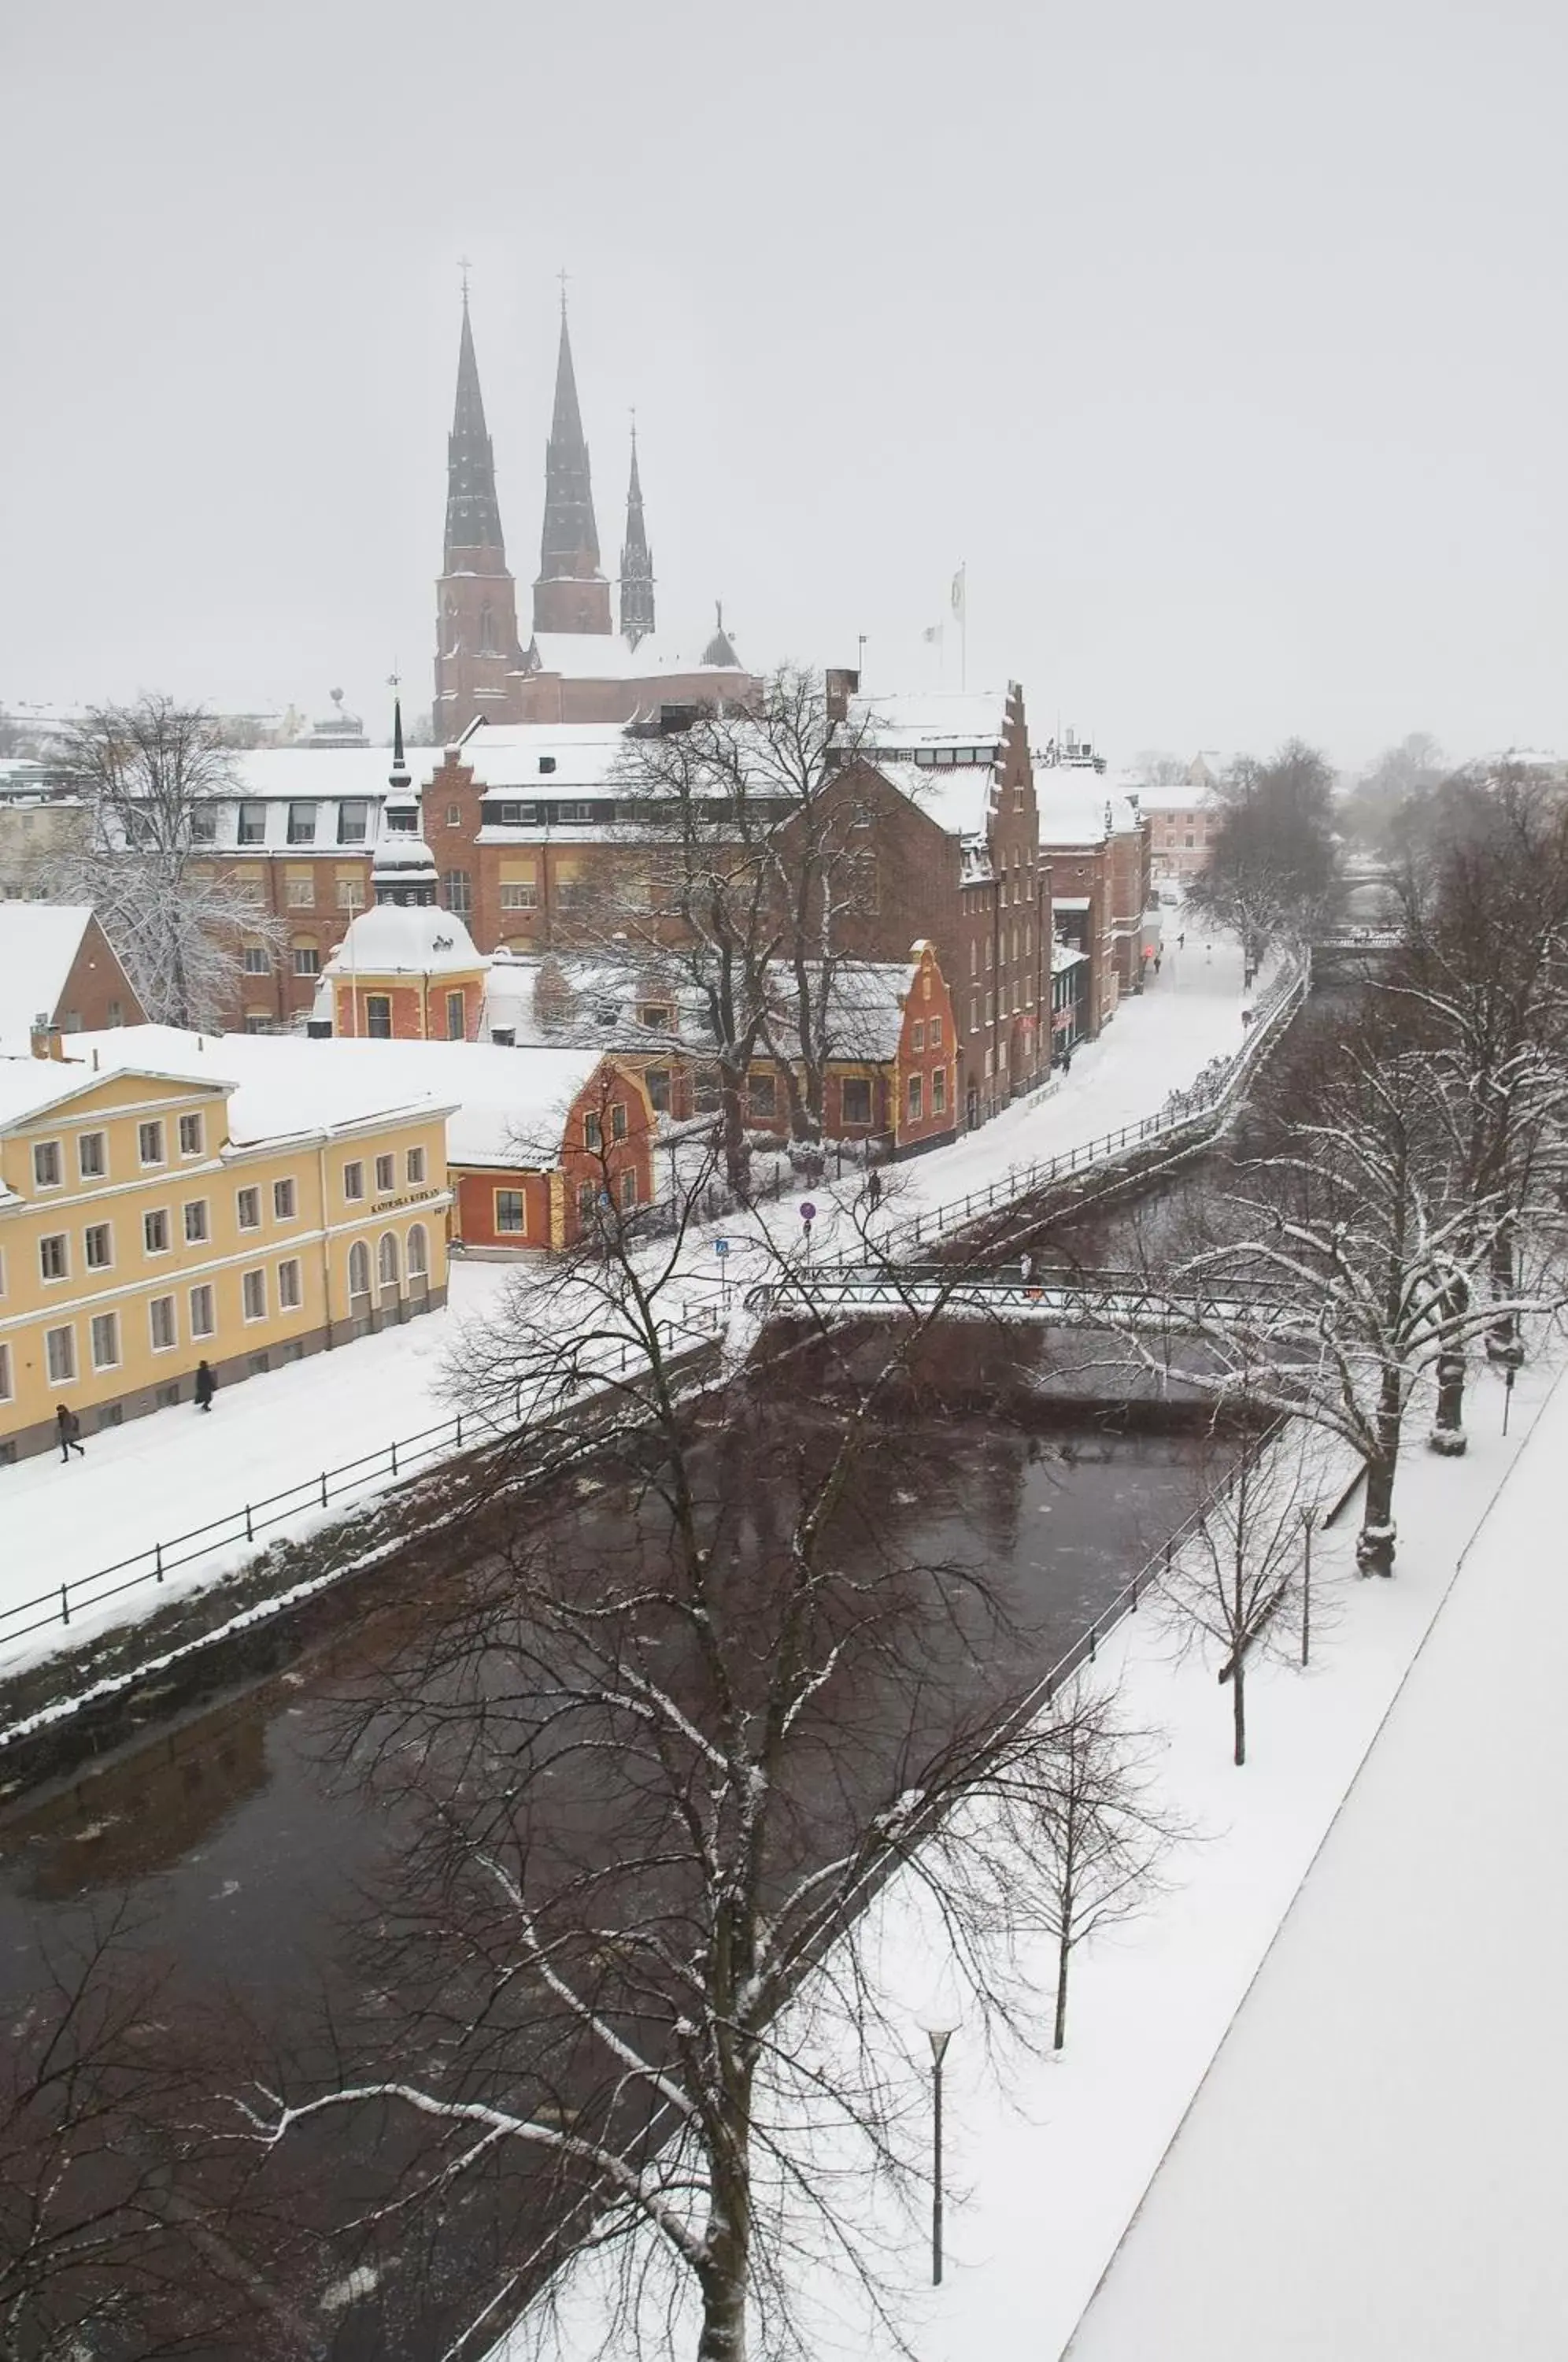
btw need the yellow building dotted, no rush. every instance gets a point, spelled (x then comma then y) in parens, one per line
(153, 1215)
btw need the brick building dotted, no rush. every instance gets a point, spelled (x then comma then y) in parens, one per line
(59, 973)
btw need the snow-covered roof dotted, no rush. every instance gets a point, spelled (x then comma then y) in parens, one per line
(956, 796)
(273, 1095)
(933, 717)
(508, 754)
(1075, 808)
(329, 771)
(605, 655)
(1063, 956)
(403, 939)
(39, 942)
(1182, 797)
(28, 1086)
(865, 1002)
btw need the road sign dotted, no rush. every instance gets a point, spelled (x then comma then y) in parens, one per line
(808, 1213)
(720, 1246)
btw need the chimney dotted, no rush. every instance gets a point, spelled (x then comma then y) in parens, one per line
(842, 684)
(47, 1039)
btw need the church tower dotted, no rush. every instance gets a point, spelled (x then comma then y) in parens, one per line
(476, 653)
(572, 594)
(636, 563)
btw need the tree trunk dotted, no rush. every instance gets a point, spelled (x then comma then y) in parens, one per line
(725, 2277)
(1064, 1955)
(1448, 1436)
(1374, 1543)
(1239, 1712)
(1503, 1342)
(737, 1154)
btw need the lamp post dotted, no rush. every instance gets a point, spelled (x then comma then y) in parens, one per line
(939, 2038)
(1307, 1516)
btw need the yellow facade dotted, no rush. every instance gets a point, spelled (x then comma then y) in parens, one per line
(137, 1237)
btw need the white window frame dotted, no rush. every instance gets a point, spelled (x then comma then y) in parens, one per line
(252, 1192)
(414, 1166)
(285, 1200)
(205, 1292)
(47, 1148)
(153, 1124)
(171, 1344)
(5, 1372)
(156, 1214)
(194, 1118)
(354, 1194)
(259, 1276)
(92, 1230)
(386, 1176)
(203, 1233)
(291, 1276)
(62, 1240)
(84, 1140)
(110, 1361)
(56, 1376)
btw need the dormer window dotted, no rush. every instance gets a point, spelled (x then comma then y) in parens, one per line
(576, 812)
(203, 826)
(252, 823)
(519, 815)
(301, 824)
(547, 763)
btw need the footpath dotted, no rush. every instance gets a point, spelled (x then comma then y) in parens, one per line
(160, 1476)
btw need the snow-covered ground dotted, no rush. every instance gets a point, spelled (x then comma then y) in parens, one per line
(165, 1474)
(1375, 2142)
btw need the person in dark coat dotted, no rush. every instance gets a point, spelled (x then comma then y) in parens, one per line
(1067, 1058)
(874, 1188)
(206, 1385)
(68, 1427)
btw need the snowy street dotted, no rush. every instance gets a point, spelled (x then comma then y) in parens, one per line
(162, 1475)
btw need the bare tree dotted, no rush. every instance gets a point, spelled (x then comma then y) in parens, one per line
(1350, 1259)
(1240, 1569)
(742, 859)
(1090, 1827)
(149, 773)
(658, 1754)
(1273, 862)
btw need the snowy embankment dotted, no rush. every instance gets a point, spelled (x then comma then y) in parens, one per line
(164, 1476)
(1048, 2160)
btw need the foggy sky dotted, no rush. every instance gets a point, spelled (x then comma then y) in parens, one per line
(1224, 342)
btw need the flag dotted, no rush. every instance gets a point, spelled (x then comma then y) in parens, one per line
(959, 591)
(931, 635)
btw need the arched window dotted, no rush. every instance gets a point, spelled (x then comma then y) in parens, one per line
(386, 1260)
(418, 1251)
(358, 1268)
(453, 636)
(487, 631)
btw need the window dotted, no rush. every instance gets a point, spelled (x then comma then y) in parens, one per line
(628, 1191)
(106, 1339)
(307, 959)
(202, 1320)
(517, 894)
(418, 1251)
(546, 762)
(974, 956)
(359, 1269)
(60, 1352)
(92, 1162)
(189, 1135)
(593, 1131)
(149, 1143)
(386, 1176)
(300, 894)
(52, 1258)
(253, 1295)
(378, 1016)
(990, 953)
(283, 1201)
(161, 1324)
(657, 1082)
(414, 1165)
(350, 894)
(247, 1209)
(155, 1231)
(587, 1200)
(916, 1097)
(354, 1180)
(302, 825)
(251, 891)
(454, 816)
(387, 1260)
(917, 1034)
(99, 1242)
(519, 815)
(254, 1023)
(203, 828)
(618, 1120)
(258, 960)
(939, 1091)
(457, 892)
(253, 823)
(289, 1286)
(457, 1018)
(856, 1099)
(658, 1015)
(353, 825)
(933, 1032)
(509, 1212)
(762, 1092)
(577, 811)
(974, 1013)
(5, 1373)
(46, 1164)
(990, 1008)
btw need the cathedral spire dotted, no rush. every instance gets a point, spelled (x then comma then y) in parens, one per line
(636, 561)
(473, 512)
(570, 594)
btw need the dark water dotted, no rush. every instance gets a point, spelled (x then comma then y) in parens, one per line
(251, 1856)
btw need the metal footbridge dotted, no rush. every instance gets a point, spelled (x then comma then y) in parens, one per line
(1056, 1297)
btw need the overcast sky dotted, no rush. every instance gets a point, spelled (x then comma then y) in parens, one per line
(1224, 342)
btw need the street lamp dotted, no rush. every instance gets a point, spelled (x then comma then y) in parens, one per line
(939, 2037)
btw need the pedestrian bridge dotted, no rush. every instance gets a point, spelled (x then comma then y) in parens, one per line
(1057, 1297)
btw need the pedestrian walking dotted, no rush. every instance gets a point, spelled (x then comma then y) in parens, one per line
(206, 1385)
(68, 1427)
(1181, 941)
(873, 1188)
(1157, 957)
(1026, 1265)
